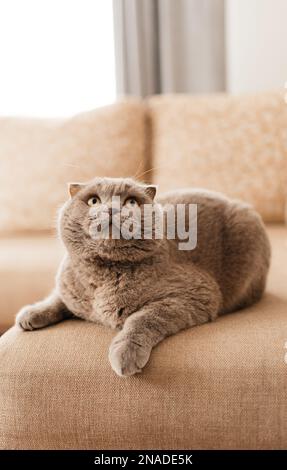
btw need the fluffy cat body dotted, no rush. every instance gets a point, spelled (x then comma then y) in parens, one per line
(148, 289)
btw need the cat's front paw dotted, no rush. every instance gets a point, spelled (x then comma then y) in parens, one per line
(31, 317)
(128, 357)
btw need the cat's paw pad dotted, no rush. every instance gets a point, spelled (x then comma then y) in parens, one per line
(128, 357)
(31, 317)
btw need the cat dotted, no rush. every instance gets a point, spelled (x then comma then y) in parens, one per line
(148, 289)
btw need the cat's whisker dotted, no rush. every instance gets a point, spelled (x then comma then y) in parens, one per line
(160, 167)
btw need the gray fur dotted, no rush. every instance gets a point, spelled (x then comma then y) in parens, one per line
(148, 289)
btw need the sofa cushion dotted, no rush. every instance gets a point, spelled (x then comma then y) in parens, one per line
(218, 386)
(38, 157)
(233, 144)
(28, 265)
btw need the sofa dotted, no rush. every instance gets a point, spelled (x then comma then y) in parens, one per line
(221, 385)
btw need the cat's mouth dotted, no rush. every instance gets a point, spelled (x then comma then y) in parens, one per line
(114, 228)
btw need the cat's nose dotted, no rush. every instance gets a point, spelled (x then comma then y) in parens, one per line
(112, 211)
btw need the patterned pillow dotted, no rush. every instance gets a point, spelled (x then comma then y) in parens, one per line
(233, 144)
(38, 157)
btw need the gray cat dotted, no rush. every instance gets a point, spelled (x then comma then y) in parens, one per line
(148, 288)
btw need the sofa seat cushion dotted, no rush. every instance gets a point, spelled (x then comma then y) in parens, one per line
(28, 266)
(218, 386)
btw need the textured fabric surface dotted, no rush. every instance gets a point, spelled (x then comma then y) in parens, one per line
(28, 265)
(220, 385)
(237, 145)
(38, 158)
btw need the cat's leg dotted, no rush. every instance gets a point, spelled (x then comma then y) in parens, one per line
(46, 312)
(131, 348)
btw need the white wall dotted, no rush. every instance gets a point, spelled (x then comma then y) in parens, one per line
(256, 43)
(56, 56)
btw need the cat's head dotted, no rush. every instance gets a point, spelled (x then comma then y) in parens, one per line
(106, 218)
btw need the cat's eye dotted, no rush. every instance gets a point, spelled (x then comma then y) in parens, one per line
(131, 202)
(94, 200)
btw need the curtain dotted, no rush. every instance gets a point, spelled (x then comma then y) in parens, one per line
(165, 46)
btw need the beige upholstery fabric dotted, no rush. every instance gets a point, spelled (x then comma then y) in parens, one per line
(221, 385)
(38, 158)
(237, 145)
(27, 269)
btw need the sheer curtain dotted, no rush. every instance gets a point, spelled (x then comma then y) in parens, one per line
(169, 46)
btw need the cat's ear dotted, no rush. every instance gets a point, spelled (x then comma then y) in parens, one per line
(151, 190)
(74, 188)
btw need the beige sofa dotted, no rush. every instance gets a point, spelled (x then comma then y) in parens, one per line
(219, 386)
